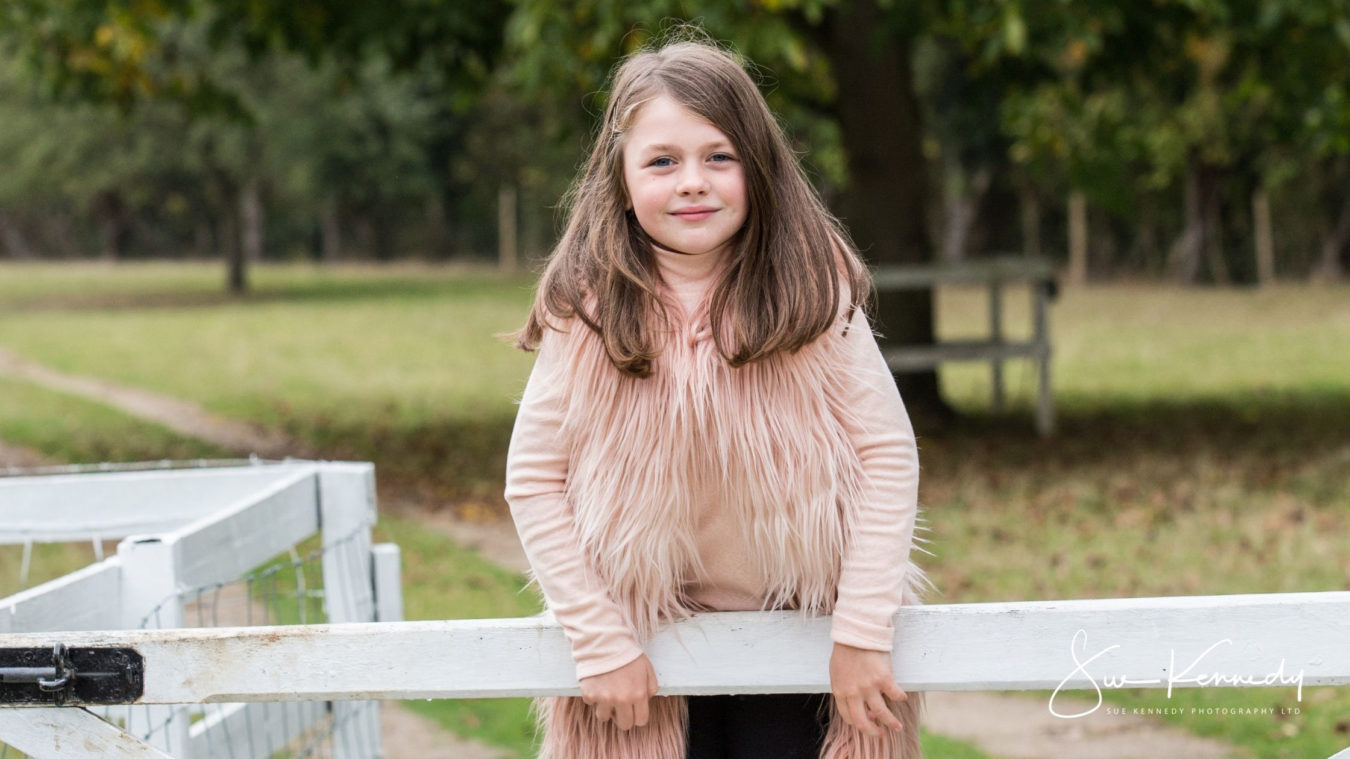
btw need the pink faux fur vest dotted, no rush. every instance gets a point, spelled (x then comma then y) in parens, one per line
(768, 441)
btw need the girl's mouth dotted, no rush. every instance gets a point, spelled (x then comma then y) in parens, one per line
(697, 213)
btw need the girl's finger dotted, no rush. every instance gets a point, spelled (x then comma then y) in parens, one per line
(895, 692)
(855, 714)
(640, 713)
(881, 713)
(623, 717)
(653, 686)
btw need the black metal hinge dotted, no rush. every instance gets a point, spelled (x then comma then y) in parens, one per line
(71, 676)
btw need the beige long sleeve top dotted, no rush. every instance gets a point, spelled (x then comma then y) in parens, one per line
(874, 563)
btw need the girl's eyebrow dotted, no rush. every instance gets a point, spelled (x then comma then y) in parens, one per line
(665, 148)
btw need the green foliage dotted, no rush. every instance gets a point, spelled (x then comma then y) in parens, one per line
(394, 124)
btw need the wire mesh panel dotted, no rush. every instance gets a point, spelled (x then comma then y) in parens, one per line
(291, 589)
(291, 546)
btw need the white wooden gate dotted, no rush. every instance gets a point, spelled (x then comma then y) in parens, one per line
(187, 536)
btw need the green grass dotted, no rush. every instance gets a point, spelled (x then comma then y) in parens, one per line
(1133, 344)
(441, 580)
(1202, 445)
(400, 366)
(72, 429)
(938, 747)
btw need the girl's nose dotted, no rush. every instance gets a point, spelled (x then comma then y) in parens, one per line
(692, 181)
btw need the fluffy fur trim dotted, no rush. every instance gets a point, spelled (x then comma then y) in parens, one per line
(768, 441)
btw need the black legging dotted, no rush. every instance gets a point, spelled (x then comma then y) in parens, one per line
(788, 726)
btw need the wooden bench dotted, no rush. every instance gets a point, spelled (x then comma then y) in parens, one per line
(995, 274)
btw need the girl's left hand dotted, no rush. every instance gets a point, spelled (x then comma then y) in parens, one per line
(861, 681)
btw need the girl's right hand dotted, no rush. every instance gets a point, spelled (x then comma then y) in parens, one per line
(622, 694)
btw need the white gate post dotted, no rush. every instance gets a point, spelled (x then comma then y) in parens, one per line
(346, 515)
(387, 563)
(150, 599)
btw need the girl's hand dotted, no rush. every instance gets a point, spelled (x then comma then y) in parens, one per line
(622, 695)
(861, 681)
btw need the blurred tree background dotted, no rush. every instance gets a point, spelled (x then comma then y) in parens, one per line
(1189, 150)
(1192, 140)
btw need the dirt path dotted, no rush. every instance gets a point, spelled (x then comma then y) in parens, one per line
(17, 457)
(183, 417)
(1015, 727)
(1004, 727)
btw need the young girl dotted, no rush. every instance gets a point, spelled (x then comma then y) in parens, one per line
(710, 426)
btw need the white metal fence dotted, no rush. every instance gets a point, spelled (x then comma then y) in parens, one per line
(262, 544)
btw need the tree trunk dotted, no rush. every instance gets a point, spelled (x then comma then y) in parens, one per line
(382, 231)
(1186, 251)
(1218, 266)
(883, 206)
(1265, 238)
(249, 243)
(113, 227)
(438, 231)
(1031, 220)
(251, 220)
(962, 197)
(202, 238)
(506, 228)
(1337, 238)
(57, 234)
(12, 240)
(1143, 253)
(331, 231)
(1078, 238)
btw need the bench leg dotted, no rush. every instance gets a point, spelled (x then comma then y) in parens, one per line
(1045, 402)
(996, 336)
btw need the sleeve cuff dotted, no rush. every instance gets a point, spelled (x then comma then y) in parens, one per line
(593, 667)
(859, 634)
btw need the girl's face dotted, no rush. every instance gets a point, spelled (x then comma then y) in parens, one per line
(686, 185)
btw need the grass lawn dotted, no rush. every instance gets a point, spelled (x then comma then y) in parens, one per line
(441, 580)
(1203, 444)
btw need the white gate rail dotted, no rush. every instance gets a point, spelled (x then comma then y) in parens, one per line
(1289, 639)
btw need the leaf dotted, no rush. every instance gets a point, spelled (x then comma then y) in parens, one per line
(1014, 30)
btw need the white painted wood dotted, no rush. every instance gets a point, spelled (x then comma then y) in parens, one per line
(234, 541)
(86, 599)
(69, 733)
(252, 730)
(150, 599)
(347, 513)
(216, 525)
(387, 563)
(114, 505)
(991, 646)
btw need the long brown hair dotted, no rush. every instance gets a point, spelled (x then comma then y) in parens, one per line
(781, 287)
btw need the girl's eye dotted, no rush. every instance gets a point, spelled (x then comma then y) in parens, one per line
(722, 157)
(663, 161)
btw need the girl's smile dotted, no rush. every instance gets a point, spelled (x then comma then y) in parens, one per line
(685, 182)
(695, 213)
